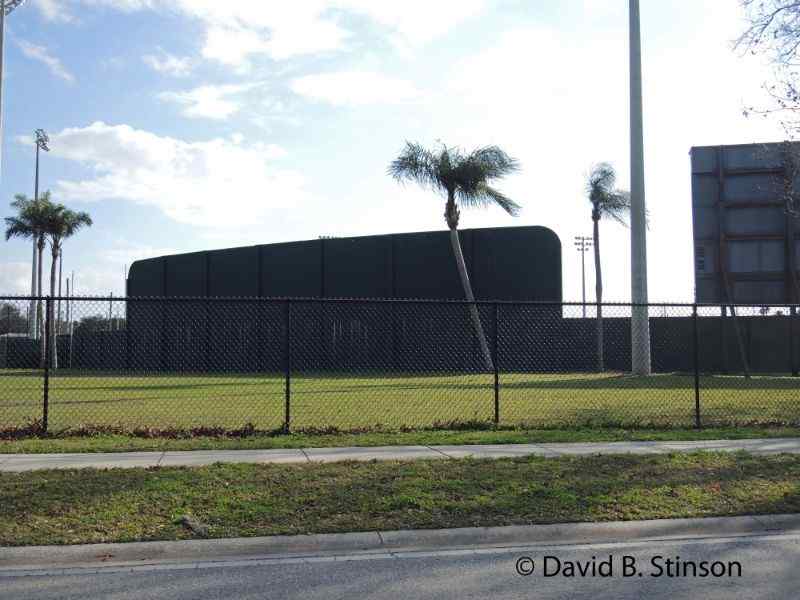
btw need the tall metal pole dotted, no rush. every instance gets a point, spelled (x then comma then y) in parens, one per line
(60, 278)
(35, 240)
(583, 281)
(640, 325)
(3, 7)
(32, 321)
(2, 52)
(36, 176)
(6, 8)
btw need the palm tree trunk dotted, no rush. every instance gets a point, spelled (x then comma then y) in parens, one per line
(598, 278)
(39, 315)
(473, 309)
(51, 312)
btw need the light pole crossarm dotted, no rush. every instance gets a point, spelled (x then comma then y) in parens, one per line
(10, 6)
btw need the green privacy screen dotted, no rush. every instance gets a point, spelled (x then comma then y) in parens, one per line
(508, 263)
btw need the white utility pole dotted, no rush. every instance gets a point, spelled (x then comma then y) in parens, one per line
(640, 322)
(6, 8)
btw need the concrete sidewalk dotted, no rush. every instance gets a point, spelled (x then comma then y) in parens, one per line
(33, 462)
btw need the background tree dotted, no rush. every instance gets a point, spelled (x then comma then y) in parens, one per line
(606, 201)
(97, 323)
(62, 224)
(31, 222)
(464, 180)
(12, 319)
(773, 31)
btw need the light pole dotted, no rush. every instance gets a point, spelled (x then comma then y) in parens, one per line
(640, 324)
(6, 8)
(41, 141)
(582, 244)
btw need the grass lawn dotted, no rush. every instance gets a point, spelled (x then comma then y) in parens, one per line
(129, 443)
(393, 401)
(85, 506)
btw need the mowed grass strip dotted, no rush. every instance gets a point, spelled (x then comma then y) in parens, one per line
(391, 400)
(84, 506)
(127, 443)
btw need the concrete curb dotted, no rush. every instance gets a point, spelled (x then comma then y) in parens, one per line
(197, 458)
(34, 559)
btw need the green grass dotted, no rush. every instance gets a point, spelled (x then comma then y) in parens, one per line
(392, 401)
(87, 506)
(128, 443)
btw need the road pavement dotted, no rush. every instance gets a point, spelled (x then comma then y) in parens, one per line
(753, 566)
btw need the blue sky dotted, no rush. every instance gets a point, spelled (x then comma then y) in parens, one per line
(185, 125)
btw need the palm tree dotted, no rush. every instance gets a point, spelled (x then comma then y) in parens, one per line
(608, 201)
(464, 180)
(30, 223)
(62, 224)
(21, 201)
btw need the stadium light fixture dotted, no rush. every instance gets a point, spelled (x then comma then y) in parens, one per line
(6, 8)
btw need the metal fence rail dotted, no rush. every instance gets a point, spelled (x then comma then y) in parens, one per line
(302, 364)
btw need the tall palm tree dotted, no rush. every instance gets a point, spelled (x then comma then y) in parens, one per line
(62, 224)
(21, 201)
(607, 201)
(31, 222)
(463, 178)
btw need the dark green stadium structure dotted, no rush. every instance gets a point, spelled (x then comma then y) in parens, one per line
(508, 263)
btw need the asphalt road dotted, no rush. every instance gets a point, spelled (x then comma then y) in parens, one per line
(768, 570)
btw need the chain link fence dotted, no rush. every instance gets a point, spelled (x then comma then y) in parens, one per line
(348, 365)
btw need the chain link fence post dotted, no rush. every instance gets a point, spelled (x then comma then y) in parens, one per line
(288, 365)
(792, 358)
(46, 341)
(496, 367)
(696, 348)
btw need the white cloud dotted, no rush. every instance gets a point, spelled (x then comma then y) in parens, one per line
(15, 278)
(415, 22)
(238, 30)
(126, 253)
(355, 88)
(210, 101)
(42, 54)
(54, 10)
(217, 183)
(169, 64)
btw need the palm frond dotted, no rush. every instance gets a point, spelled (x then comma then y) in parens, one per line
(617, 205)
(605, 198)
(464, 176)
(64, 223)
(18, 228)
(602, 180)
(416, 164)
(492, 162)
(21, 202)
(484, 195)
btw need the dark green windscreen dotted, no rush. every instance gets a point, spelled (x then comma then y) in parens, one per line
(509, 263)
